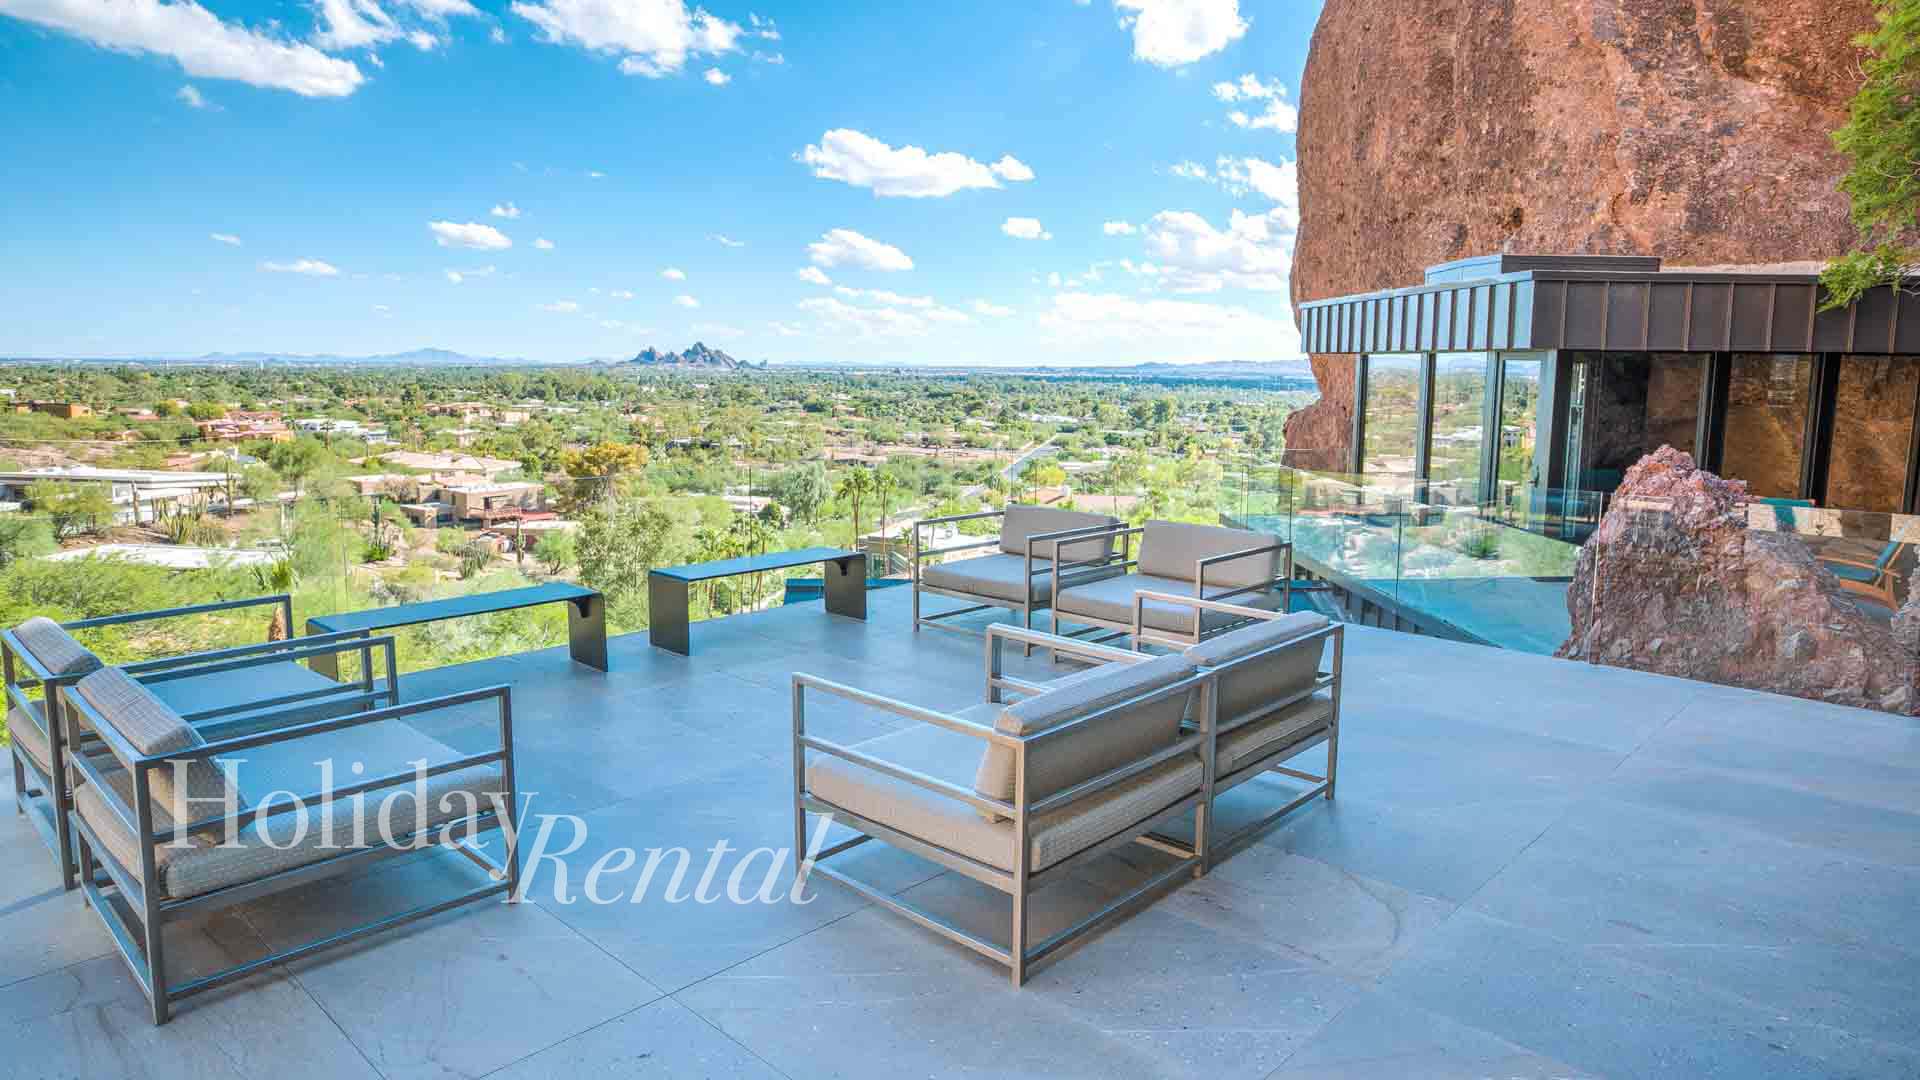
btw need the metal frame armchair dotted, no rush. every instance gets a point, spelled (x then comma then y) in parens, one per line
(38, 746)
(1091, 601)
(994, 585)
(120, 839)
(1115, 789)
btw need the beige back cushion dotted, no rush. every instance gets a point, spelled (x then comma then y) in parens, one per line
(54, 649)
(1171, 549)
(143, 720)
(1021, 522)
(1094, 748)
(1245, 685)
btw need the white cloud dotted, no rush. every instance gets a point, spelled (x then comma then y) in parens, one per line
(455, 276)
(686, 301)
(812, 275)
(1170, 329)
(727, 241)
(561, 307)
(621, 294)
(458, 276)
(1025, 228)
(543, 243)
(440, 10)
(497, 36)
(1277, 114)
(762, 28)
(596, 174)
(506, 210)
(381, 308)
(1170, 33)
(674, 273)
(1118, 228)
(364, 24)
(769, 57)
(653, 38)
(226, 238)
(885, 296)
(787, 330)
(716, 77)
(990, 310)
(1254, 251)
(844, 247)
(864, 322)
(308, 267)
(203, 44)
(855, 158)
(1191, 170)
(1277, 183)
(470, 234)
(191, 97)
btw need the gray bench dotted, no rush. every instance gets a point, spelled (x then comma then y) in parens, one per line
(586, 618)
(845, 573)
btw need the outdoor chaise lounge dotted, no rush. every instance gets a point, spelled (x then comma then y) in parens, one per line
(1273, 686)
(1015, 796)
(1019, 575)
(182, 825)
(1209, 562)
(220, 689)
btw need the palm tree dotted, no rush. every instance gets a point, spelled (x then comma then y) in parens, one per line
(855, 484)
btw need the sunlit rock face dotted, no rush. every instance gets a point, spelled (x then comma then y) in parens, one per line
(1697, 130)
(1676, 580)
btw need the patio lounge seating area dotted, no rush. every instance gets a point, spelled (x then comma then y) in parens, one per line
(1532, 868)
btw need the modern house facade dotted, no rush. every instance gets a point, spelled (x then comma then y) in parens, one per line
(1512, 372)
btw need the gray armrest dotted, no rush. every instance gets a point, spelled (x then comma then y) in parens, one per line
(803, 682)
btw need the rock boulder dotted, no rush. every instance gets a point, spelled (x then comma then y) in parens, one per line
(1676, 581)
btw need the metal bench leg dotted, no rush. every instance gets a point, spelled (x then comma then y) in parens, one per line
(847, 586)
(587, 631)
(667, 617)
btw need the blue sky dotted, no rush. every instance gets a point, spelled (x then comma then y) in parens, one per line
(1040, 181)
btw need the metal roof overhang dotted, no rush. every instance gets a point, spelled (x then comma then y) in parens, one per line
(1667, 311)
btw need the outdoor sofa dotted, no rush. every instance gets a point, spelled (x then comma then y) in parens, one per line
(1017, 796)
(1251, 570)
(168, 823)
(1273, 687)
(222, 688)
(1035, 546)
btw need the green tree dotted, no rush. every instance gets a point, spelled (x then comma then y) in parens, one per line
(1882, 136)
(71, 507)
(298, 461)
(620, 540)
(23, 536)
(855, 484)
(803, 490)
(207, 410)
(557, 551)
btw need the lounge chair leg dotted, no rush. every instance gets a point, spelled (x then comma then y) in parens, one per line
(1017, 944)
(1026, 623)
(156, 963)
(19, 785)
(1202, 837)
(916, 599)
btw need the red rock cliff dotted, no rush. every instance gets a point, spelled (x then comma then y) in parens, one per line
(1696, 130)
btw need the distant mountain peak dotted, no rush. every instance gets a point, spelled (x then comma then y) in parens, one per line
(697, 355)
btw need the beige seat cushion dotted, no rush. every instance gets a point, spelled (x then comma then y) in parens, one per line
(279, 842)
(1173, 550)
(27, 733)
(1110, 600)
(955, 826)
(143, 720)
(1247, 682)
(1020, 522)
(996, 576)
(1108, 743)
(55, 649)
(1244, 745)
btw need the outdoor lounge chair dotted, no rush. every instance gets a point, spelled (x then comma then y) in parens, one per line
(1877, 580)
(1013, 797)
(1210, 562)
(223, 687)
(1019, 575)
(1270, 698)
(182, 825)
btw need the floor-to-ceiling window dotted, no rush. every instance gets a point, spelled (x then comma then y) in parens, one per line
(1389, 415)
(1636, 402)
(1768, 398)
(1872, 430)
(1459, 432)
(1519, 420)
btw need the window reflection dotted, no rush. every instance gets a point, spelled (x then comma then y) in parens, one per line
(1459, 417)
(1393, 397)
(1872, 427)
(1768, 395)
